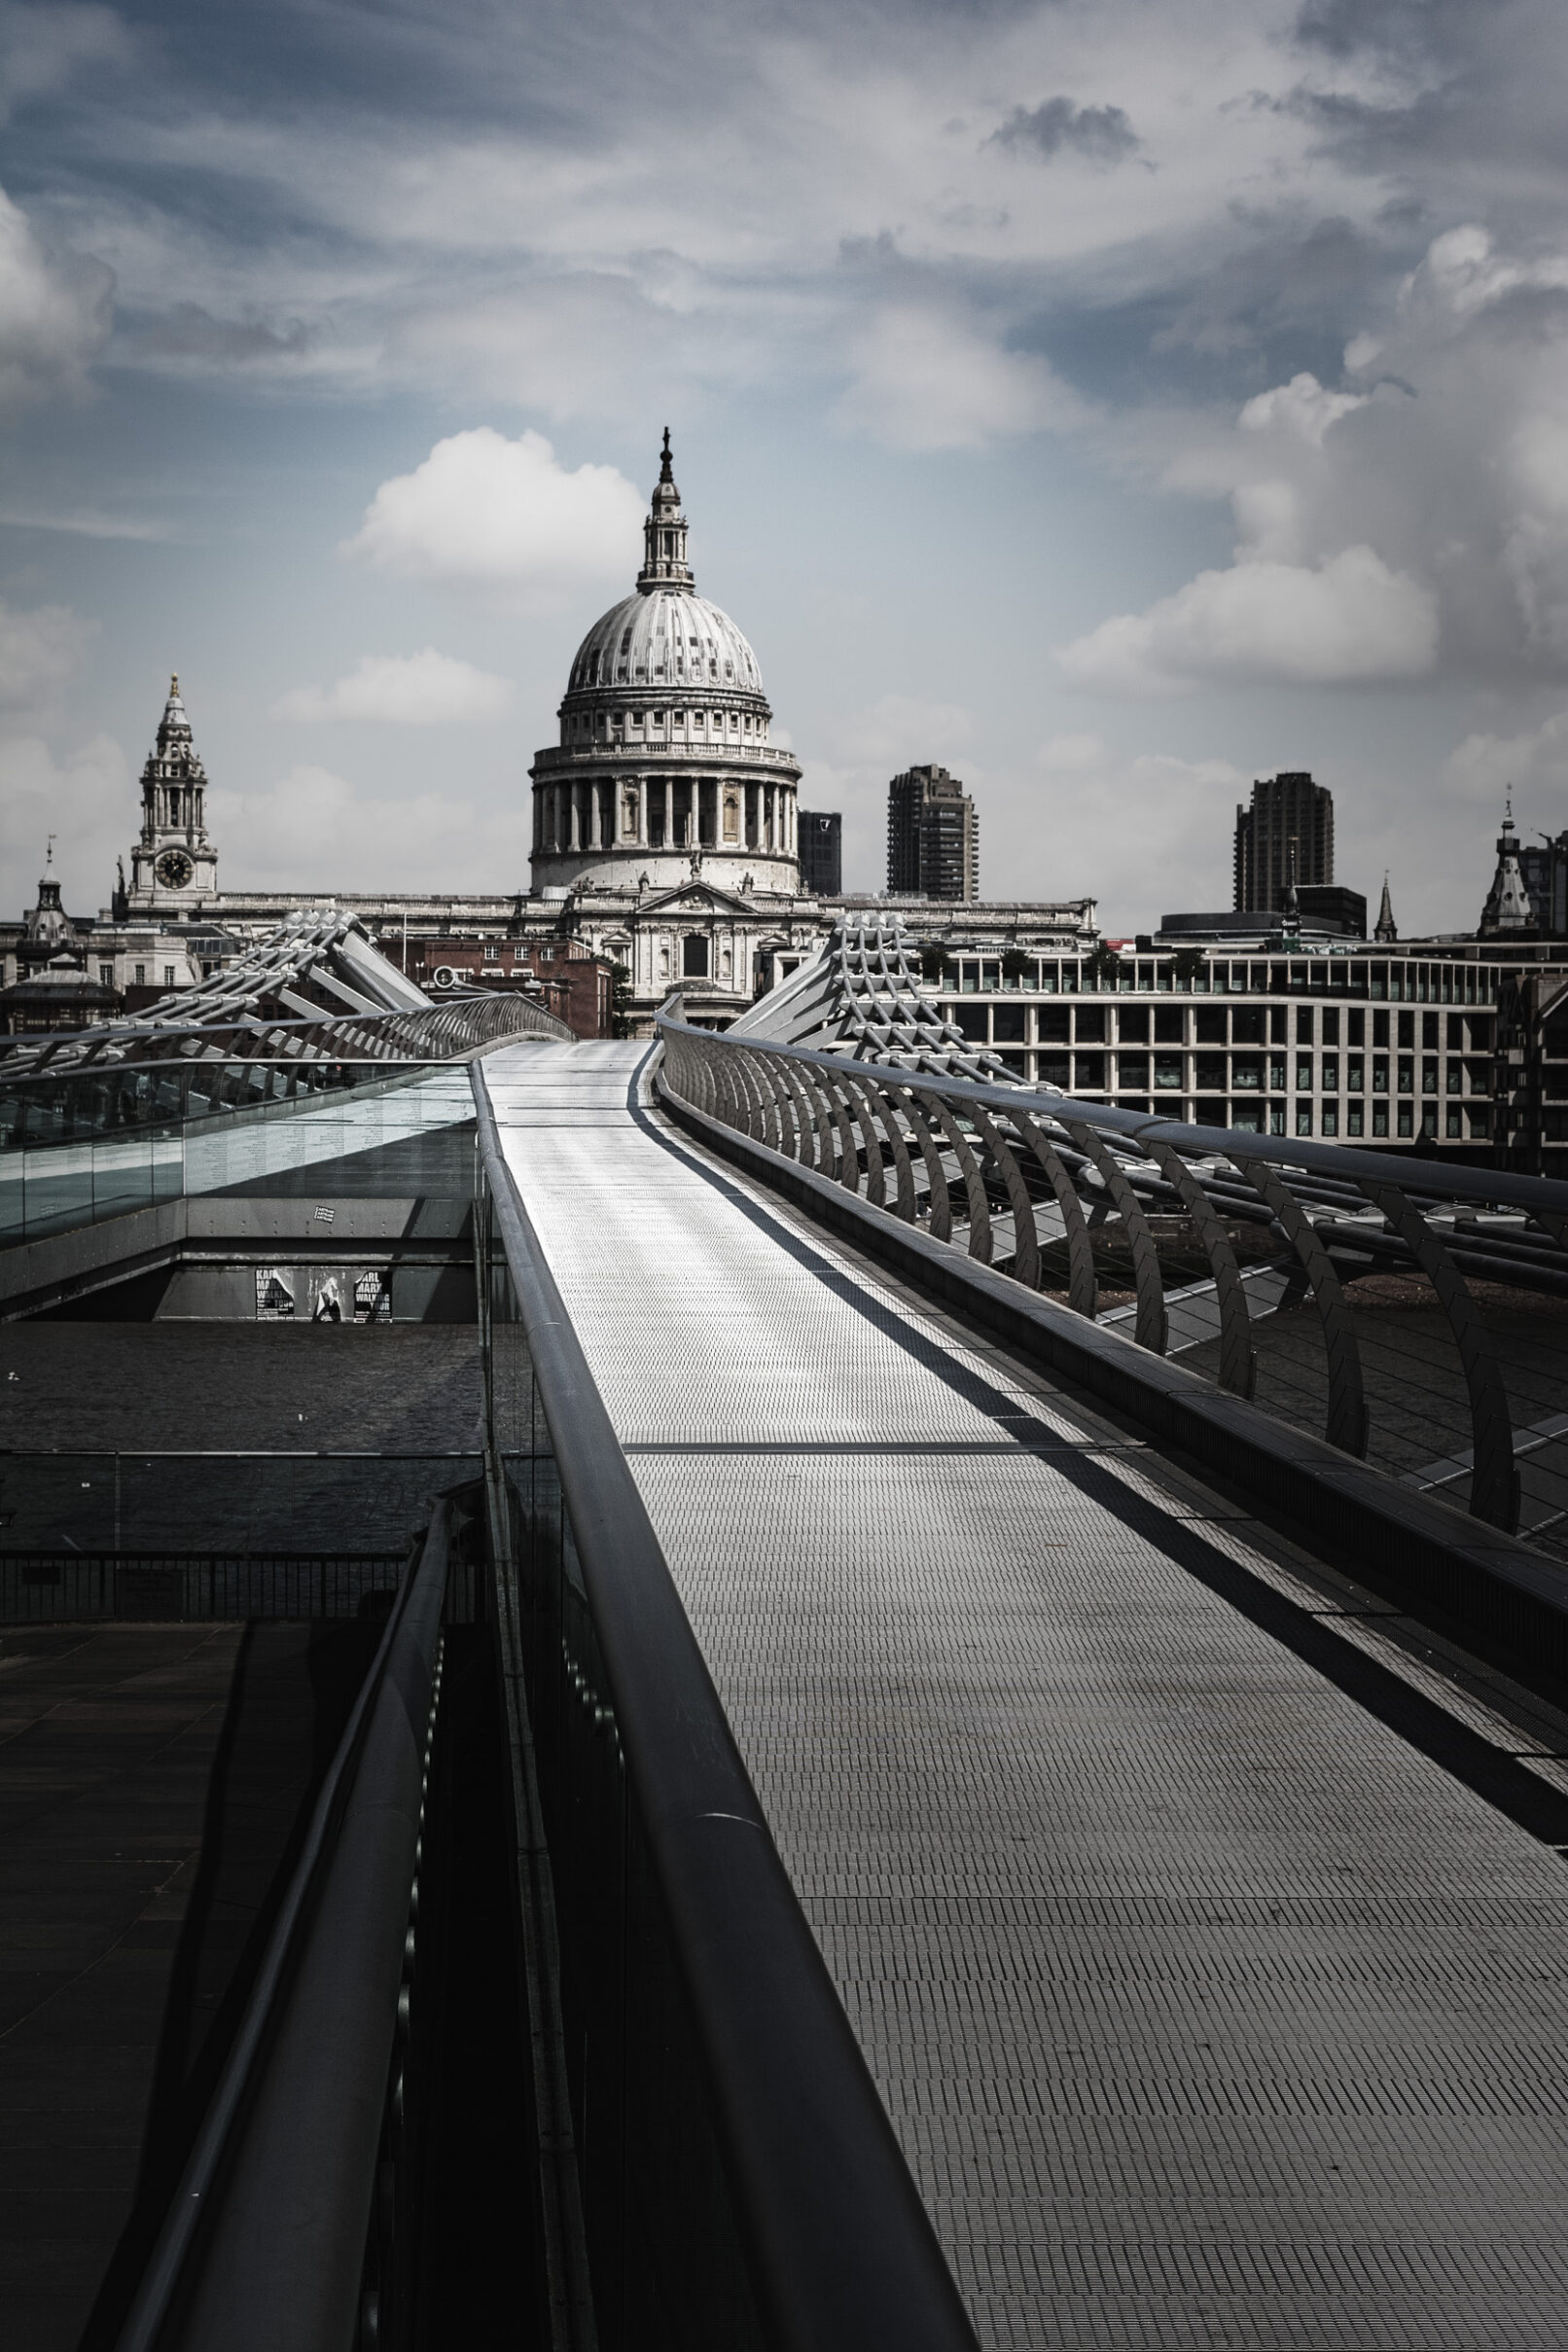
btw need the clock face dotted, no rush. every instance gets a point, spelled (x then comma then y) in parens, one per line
(174, 870)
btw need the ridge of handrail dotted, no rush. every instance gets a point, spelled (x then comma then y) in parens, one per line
(1427, 1177)
(842, 2250)
(204, 2289)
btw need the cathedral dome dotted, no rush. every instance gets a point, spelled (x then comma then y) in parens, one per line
(664, 762)
(665, 637)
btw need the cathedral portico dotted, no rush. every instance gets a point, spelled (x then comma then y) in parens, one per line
(664, 750)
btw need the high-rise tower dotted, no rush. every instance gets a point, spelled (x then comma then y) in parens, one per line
(933, 836)
(1285, 808)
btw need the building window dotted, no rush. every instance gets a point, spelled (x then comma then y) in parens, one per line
(1304, 1077)
(1276, 1077)
(168, 976)
(1455, 1119)
(1456, 1078)
(1331, 1118)
(1355, 1119)
(1407, 1079)
(1407, 1119)
(1303, 1118)
(1132, 1070)
(1355, 1079)
(106, 976)
(1379, 1119)
(1276, 1119)
(491, 952)
(1429, 1078)
(1090, 1072)
(1168, 1070)
(1429, 1125)
(140, 980)
(1331, 1073)
(693, 956)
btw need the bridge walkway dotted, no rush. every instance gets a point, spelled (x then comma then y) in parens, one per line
(1206, 1934)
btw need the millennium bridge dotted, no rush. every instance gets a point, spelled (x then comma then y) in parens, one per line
(766, 1689)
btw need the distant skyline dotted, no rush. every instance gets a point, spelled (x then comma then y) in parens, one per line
(1112, 404)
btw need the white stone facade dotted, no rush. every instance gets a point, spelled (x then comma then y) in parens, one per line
(663, 771)
(173, 866)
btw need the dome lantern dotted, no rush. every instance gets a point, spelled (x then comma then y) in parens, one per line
(664, 564)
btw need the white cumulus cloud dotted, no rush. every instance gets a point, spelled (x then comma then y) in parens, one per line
(485, 512)
(38, 651)
(87, 800)
(315, 830)
(925, 379)
(1302, 406)
(426, 689)
(1346, 619)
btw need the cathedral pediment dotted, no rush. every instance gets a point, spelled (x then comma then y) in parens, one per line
(694, 898)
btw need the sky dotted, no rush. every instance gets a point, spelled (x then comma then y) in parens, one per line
(1112, 402)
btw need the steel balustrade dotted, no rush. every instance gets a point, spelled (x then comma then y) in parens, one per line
(1022, 1179)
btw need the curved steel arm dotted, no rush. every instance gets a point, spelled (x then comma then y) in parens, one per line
(979, 1214)
(1149, 1327)
(1494, 1486)
(939, 1213)
(860, 1098)
(1083, 1287)
(1238, 1361)
(887, 1108)
(1025, 1240)
(1347, 1426)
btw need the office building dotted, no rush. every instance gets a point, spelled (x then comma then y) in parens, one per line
(933, 836)
(1288, 811)
(821, 840)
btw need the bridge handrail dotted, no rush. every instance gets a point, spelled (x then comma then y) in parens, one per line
(1016, 1149)
(419, 1033)
(266, 2237)
(1437, 1179)
(842, 2250)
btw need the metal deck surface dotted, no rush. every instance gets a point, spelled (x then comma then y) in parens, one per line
(1209, 1944)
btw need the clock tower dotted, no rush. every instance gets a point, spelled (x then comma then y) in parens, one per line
(173, 868)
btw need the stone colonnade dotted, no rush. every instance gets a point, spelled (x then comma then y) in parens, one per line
(665, 812)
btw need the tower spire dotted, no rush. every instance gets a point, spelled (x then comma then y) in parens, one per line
(664, 563)
(1386, 928)
(1507, 904)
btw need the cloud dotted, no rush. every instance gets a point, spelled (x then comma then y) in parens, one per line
(44, 48)
(87, 800)
(315, 830)
(928, 377)
(1170, 819)
(1302, 406)
(1347, 620)
(900, 731)
(1100, 133)
(38, 651)
(485, 512)
(1534, 764)
(186, 337)
(426, 689)
(54, 314)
